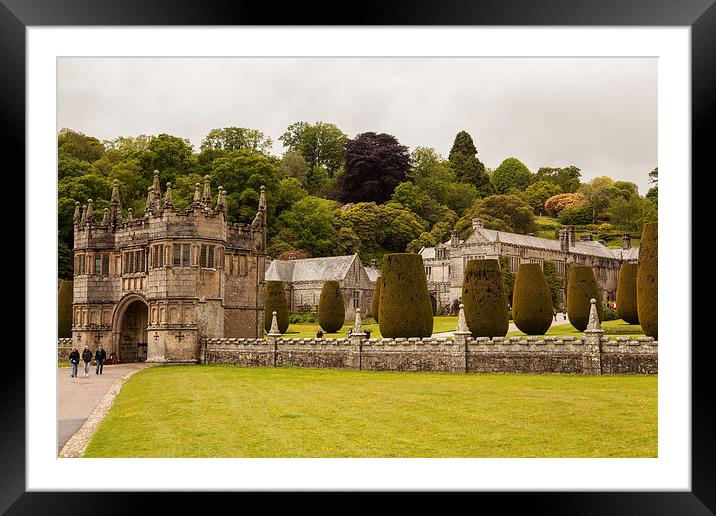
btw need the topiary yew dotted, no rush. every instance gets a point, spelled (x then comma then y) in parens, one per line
(405, 309)
(275, 300)
(64, 309)
(647, 284)
(375, 302)
(626, 294)
(581, 288)
(532, 309)
(331, 307)
(484, 299)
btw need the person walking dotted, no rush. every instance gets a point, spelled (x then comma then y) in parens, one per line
(87, 358)
(99, 357)
(74, 360)
(319, 334)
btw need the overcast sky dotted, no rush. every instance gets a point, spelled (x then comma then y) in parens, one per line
(598, 114)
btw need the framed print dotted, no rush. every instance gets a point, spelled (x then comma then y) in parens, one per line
(199, 222)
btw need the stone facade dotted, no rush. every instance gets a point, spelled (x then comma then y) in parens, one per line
(445, 263)
(150, 288)
(303, 280)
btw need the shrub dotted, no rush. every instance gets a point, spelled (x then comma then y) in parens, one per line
(331, 308)
(610, 315)
(581, 288)
(275, 300)
(484, 299)
(64, 309)
(626, 293)
(647, 292)
(531, 302)
(375, 303)
(576, 214)
(405, 309)
(304, 318)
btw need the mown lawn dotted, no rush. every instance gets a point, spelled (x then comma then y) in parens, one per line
(440, 324)
(612, 329)
(227, 411)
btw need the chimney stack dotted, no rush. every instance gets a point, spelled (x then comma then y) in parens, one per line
(626, 241)
(564, 240)
(572, 236)
(477, 224)
(454, 238)
(372, 263)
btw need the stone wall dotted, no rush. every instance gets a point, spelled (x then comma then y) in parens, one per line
(459, 355)
(64, 348)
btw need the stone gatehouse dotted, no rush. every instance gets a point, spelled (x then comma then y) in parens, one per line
(151, 287)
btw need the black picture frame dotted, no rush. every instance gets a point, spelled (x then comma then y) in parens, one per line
(700, 15)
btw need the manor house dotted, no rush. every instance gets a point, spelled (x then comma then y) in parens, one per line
(303, 280)
(149, 288)
(445, 263)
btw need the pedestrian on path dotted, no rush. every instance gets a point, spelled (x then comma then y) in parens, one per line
(74, 360)
(87, 358)
(100, 356)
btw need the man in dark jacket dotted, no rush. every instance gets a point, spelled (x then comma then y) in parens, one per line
(87, 358)
(74, 360)
(100, 356)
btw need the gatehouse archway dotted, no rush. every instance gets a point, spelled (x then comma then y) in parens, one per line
(129, 329)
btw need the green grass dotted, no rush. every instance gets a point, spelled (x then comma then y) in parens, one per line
(611, 328)
(63, 363)
(306, 330)
(227, 411)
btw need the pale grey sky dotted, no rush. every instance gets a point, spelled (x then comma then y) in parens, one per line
(599, 114)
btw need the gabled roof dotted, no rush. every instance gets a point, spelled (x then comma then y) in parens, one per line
(491, 236)
(311, 269)
(373, 273)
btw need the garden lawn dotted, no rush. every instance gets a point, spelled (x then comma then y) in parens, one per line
(306, 330)
(611, 328)
(228, 411)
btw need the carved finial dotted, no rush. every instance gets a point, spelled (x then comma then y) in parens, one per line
(197, 195)
(168, 202)
(90, 211)
(593, 325)
(358, 328)
(462, 328)
(83, 217)
(157, 191)
(130, 215)
(274, 326)
(115, 191)
(115, 212)
(262, 198)
(221, 201)
(150, 200)
(76, 217)
(105, 216)
(206, 199)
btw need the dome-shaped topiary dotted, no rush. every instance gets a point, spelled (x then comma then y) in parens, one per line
(275, 300)
(331, 307)
(626, 294)
(532, 302)
(375, 302)
(64, 309)
(484, 299)
(581, 288)
(405, 310)
(647, 284)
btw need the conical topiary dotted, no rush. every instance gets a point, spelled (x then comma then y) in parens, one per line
(64, 309)
(626, 294)
(581, 288)
(275, 300)
(405, 309)
(647, 284)
(375, 302)
(484, 299)
(331, 307)
(532, 301)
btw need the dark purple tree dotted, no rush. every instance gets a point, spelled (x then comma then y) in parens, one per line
(374, 165)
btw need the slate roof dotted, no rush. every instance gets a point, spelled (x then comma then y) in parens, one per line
(373, 274)
(310, 269)
(491, 236)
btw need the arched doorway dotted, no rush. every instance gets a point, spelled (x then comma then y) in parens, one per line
(434, 304)
(130, 330)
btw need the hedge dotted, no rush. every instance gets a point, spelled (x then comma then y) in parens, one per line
(405, 310)
(331, 308)
(275, 300)
(64, 309)
(581, 288)
(486, 311)
(626, 294)
(647, 284)
(532, 308)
